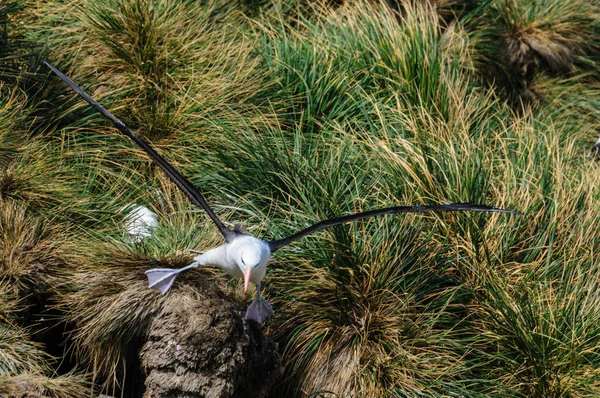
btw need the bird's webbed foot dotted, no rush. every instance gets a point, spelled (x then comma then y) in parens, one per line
(260, 309)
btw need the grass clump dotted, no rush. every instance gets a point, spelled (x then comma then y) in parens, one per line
(359, 319)
(29, 263)
(520, 40)
(159, 63)
(29, 249)
(33, 385)
(333, 66)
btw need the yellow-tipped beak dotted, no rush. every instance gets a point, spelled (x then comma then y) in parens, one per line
(247, 274)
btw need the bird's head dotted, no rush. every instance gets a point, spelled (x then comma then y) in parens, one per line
(249, 259)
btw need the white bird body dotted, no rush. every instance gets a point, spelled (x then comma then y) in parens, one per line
(234, 257)
(243, 257)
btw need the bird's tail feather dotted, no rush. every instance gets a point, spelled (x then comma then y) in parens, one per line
(162, 279)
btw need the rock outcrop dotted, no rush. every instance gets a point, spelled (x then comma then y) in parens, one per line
(201, 346)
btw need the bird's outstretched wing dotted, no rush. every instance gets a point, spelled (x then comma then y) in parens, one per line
(183, 183)
(277, 244)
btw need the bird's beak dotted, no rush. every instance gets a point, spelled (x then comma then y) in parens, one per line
(247, 274)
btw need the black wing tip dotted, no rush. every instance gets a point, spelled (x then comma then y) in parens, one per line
(466, 206)
(72, 84)
(54, 69)
(450, 207)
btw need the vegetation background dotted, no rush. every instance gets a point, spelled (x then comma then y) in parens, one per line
(286, 112)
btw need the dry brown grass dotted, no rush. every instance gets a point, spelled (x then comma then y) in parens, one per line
(37, 386)
(29, 249)
(168, 66)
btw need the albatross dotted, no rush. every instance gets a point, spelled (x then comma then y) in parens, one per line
(243, 255)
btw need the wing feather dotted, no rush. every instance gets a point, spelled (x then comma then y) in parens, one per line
(277, 244)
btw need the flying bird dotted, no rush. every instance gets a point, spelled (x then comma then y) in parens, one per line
(243, 255)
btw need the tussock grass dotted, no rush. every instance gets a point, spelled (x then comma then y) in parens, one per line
(299, 113)
(29, 254)
(570, 101)
(33, 385)
(157, 73)
(10, 39)
(19, 353)
(521, 39)
(11, 103)
(30, 178)
(359, 315)
(25, 367)
(333, 66)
